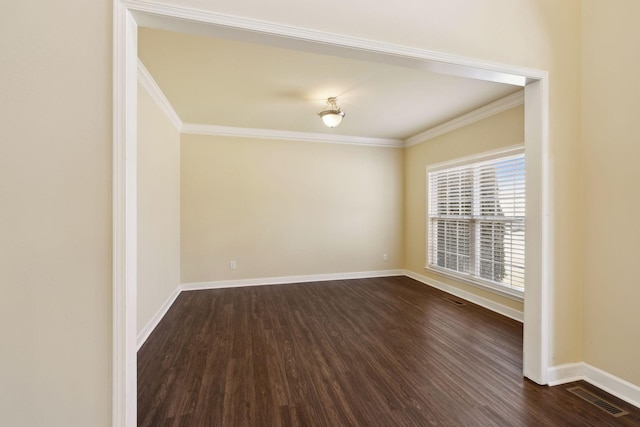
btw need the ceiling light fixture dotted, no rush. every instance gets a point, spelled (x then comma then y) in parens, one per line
(331, 116)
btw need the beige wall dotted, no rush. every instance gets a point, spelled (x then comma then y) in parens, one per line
(286, 208)
(55, 213)
(158, 208)
(55, 174)
(502, 130)
(611, 150)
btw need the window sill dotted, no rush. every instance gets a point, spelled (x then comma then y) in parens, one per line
(513, 294)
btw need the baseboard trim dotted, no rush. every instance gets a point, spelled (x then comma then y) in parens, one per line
(567, 373)
(613, 385)
(483, 302)
(283, 280)
(616, 386)
(151, 325)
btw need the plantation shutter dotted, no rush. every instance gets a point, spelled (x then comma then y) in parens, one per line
(476, 219)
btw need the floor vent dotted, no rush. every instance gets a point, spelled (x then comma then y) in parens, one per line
(455, 302)
(598, 401)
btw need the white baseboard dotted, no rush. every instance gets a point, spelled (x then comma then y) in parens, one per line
(613, 385)
(288, 279)
(483, 302)
(567, 373)
(151, 325)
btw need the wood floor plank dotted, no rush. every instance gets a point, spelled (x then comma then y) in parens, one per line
(365, 352)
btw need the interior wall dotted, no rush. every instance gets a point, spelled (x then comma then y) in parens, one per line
(611, 149)
(158, 208)
(55, 173)
(499, 131)
(55, 219)
(288, 208)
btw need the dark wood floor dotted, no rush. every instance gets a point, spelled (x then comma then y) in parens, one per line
(374, 352)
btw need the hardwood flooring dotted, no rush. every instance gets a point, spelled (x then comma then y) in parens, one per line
(372, 352)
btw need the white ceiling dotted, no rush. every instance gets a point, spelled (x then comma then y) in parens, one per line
(224, 82)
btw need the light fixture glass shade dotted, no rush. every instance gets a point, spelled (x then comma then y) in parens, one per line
(331, 116)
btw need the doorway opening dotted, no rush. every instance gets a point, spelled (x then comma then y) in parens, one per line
(131, 14)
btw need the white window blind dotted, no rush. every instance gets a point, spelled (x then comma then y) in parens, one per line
(476, 216)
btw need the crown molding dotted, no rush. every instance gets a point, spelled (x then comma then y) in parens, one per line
(200, 129)
(162, 15)
(150, 85)
(157, 15)
(476, 115)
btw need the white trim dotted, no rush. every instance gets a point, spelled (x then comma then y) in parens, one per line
(566, 373)
(546, 283)
(468, 296)
(476, 115)
(153, 322)
(613, 385)
(124, 387)
(477, 282)
(605, 381)
(147, 81)
(159, 15)
(288, 280)
(152, 88)
(512, 150)
(199, 129)
(538, 326)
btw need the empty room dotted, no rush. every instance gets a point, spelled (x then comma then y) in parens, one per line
(317, 227)
(257, 213)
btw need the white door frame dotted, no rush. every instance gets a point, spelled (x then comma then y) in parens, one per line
(128, 14)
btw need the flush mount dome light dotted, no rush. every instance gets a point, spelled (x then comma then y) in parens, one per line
(331, 116)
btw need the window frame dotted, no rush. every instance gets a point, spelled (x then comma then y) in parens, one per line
(488, 156)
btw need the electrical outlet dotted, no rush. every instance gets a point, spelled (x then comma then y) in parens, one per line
(232, 265)
(385, 257)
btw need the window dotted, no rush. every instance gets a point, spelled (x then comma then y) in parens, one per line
(476, 220)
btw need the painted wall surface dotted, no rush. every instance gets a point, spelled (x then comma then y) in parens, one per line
(55, 174)
(158, 208)
(502, 130)
(287, 208)
(611, 149)
(55, 213)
